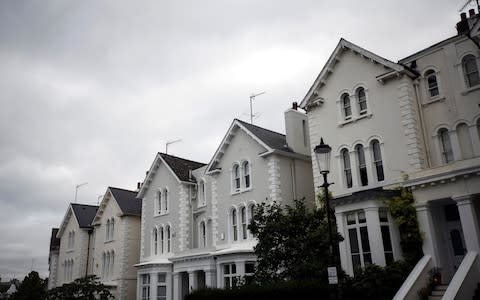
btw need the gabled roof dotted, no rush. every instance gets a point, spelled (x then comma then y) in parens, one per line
(270, 140)
(312, 97)
(179, 167)
(84, 214)
(128, 201)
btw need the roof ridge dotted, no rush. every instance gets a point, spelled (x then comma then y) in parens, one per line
(243, 122)
(84, 204)
(122, 189)
(181, 158)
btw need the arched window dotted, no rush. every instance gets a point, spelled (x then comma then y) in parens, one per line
(202, 193)
(446, 146)
(107, 266)
(347, 109)
(234, 224)
(362, 166)
(478, 128)
(155, 241)
(236, 178)
(243, 218)
(377, 160)
(107, 230)
(112, 228)
(159, 202)
(104, 261)
(362, 101)
(347, 170)
(464, 140)
(203, 234)
(162, 240)
(112, 262)
(432, 83)
(470, 70)
(246, 174)
(169, 244)
(165, 199)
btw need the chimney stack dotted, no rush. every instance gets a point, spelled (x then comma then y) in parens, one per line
(139, 185)
(463, 16)
(295, 106)
(462, 26)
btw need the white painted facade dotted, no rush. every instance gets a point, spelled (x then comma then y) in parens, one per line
(116, 248)
(209, 211)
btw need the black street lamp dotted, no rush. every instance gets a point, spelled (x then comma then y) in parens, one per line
(322, 153)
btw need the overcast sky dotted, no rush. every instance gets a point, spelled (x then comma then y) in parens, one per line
(91, 90)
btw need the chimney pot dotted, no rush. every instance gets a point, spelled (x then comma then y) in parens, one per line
(295, 105)
(471, 12)
(139, 185)
(463, 16)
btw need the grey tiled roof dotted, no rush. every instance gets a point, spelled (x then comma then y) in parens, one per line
(181, 166)
(272, 139)
(84, 214)
(127, 201)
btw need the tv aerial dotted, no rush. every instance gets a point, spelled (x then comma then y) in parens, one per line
(168, 143)
(470, 2)
(252, 97)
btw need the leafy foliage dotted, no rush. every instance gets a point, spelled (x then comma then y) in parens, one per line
(85, 288)
(32, 287)
(292, 242)
(405, 215)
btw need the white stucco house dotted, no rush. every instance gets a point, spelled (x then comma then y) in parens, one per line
(53, 259)
(76, 243)
(413, 123)
(195, 215)
(116, 245)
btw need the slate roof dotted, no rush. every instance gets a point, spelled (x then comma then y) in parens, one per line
(272, 139)
(127, 201)
(180, 166)
(376, 193)
(54, 241)
(84, 214)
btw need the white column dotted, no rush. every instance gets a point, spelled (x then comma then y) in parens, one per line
(177, 286)
(425, 222)
(219, 276)
(342, 246)
(469, 220)
(474, 137)
(354, 166)
(375, 236)
(457, 152)
(210, 278)
(192, 280)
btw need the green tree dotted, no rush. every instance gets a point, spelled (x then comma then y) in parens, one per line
(85, 288)
(32, 287)
(292, 242)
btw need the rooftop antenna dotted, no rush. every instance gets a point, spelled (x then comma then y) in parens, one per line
(76, 190)
(252, 97)
(169, 143)
(469, 2)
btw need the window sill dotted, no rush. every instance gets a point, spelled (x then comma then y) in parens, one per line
(161, 214)
(70, 251)
(109, 241)
(200, 209)
(240, 191)
(470, 89)
(433, 100)
(368, 115)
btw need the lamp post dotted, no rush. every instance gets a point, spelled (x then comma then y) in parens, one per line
(322, 153)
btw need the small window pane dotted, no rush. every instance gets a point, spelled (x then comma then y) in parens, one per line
(351, 219)
(356, 261)
(364, 238)
(162, 277)
(234, 269)
(249, 267)
(226, 269)
(361, 217)
(387, 242)
(161, 291)
(383, 215)
(367, 259)
(352, 233)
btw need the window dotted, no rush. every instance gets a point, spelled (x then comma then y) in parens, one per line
(112, 262)
(304, 132)
(447, 151)
(362, 101)
(107, 231)
(358, 237)
(155, 241)
(71, 240)
(246, 174)
(249, 271)
(464, 140)
(104, 265)
(161, 286)
(470, 70)
(230, 278)
(432, 83)
(362, 166)
(169, 243)
(202, 193)
(159, 203)
(236, 178)
(162, 240)
(347, 171)
(112, 228)
(347, 109)
(145, 287)
(203, 234)
(68, 270)
(234, 224)
(243, 218)
(377, 160)
(387, 241)
(165, 200)
(478, 128)
(107, 266)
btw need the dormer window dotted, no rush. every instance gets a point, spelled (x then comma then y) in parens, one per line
(347, 109)
(432, 83)
(362, 101)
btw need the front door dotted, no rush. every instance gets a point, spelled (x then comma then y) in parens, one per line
(454, 235)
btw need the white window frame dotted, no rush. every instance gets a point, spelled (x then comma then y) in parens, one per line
(428, 74)
(345, 107)
(383, 223)
(445, 153)
(464, 71)
(359, 155)
(161, 284)
(166, 201)
(357, 227)
(346, 170)
(244, 222)
(377, 161)
(236, 178)
(233, 224)
(361, 112)
(230, 275)
(145, 286)
(246, 175)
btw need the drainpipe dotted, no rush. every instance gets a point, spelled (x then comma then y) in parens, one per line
(422, 123)
(294, 179)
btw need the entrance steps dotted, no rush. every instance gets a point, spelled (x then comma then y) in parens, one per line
(438, 292)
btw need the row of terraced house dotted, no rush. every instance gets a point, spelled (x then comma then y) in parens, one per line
(413, 123)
